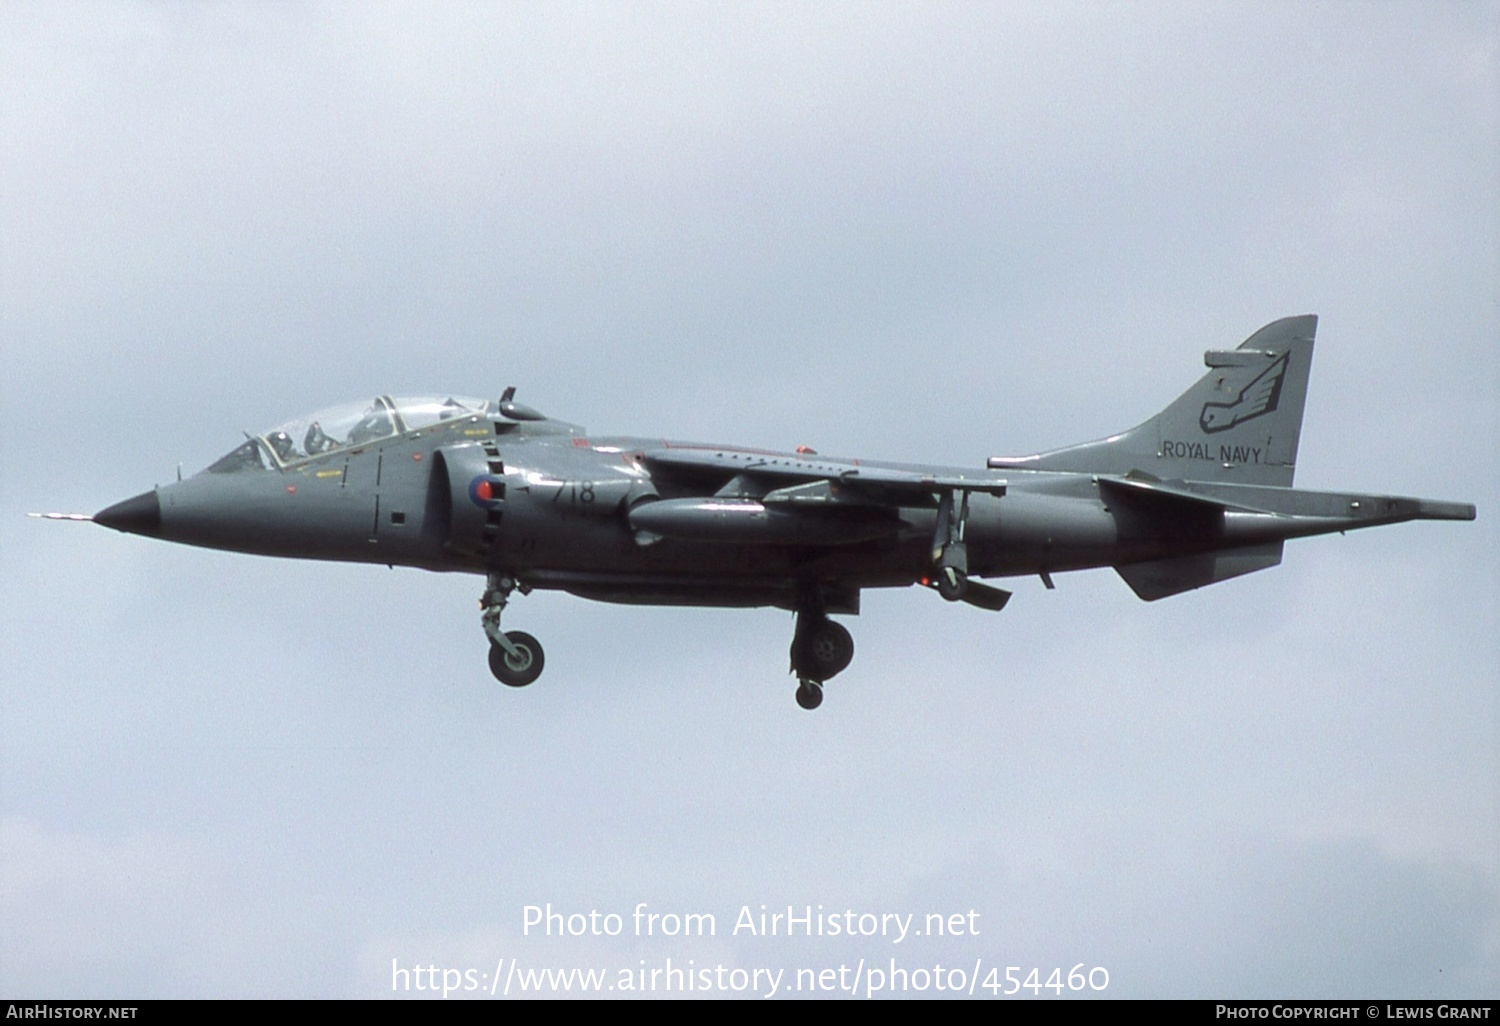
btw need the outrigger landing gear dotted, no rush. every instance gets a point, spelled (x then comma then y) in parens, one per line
(516, 658)
(821, 650)
(950, 554)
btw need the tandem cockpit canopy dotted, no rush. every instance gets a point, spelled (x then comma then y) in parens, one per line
(349, 426)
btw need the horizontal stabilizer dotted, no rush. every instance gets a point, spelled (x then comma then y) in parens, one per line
(1166, 497)
(1343, 511)
(1162, 577)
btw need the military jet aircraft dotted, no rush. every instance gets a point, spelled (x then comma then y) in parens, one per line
(1197, 494)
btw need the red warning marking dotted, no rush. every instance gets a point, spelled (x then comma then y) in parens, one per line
(580, 443)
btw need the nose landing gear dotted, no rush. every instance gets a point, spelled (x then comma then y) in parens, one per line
(516, 658)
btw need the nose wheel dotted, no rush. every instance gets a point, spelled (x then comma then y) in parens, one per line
(516, 658)
(519, 666)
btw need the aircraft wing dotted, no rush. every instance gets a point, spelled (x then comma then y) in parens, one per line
(806, 482)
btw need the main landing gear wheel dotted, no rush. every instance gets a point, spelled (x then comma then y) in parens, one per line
(951, 584)
(827, 650)
(821, 650)
(521, 668)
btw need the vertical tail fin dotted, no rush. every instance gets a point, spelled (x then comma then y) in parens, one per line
(1240, 422)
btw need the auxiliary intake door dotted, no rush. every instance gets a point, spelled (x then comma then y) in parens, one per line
(475, 483)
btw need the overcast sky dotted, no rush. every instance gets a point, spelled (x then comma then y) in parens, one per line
(914, 232)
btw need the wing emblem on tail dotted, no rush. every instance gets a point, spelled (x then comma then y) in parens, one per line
(1255, 399)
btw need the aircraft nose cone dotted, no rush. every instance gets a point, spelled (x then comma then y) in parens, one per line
(138, 515)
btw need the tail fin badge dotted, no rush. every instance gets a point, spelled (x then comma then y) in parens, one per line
(1255, 400)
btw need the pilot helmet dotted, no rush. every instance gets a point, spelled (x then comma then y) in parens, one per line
(282, 443)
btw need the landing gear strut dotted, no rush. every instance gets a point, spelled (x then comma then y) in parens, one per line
(516, 658)
(950, 554)
(821, 650)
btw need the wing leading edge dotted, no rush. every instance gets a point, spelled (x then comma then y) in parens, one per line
(797, 482)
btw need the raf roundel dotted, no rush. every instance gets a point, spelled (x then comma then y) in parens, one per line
(484, 491)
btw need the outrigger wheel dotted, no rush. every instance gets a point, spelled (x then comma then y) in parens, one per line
(519, 668)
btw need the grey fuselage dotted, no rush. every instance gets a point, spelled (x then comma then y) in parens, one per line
(1197, 494)
(545, 503)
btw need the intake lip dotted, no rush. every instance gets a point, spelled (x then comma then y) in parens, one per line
(140, 514)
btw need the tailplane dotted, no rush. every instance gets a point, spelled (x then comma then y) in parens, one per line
(1239, 423)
